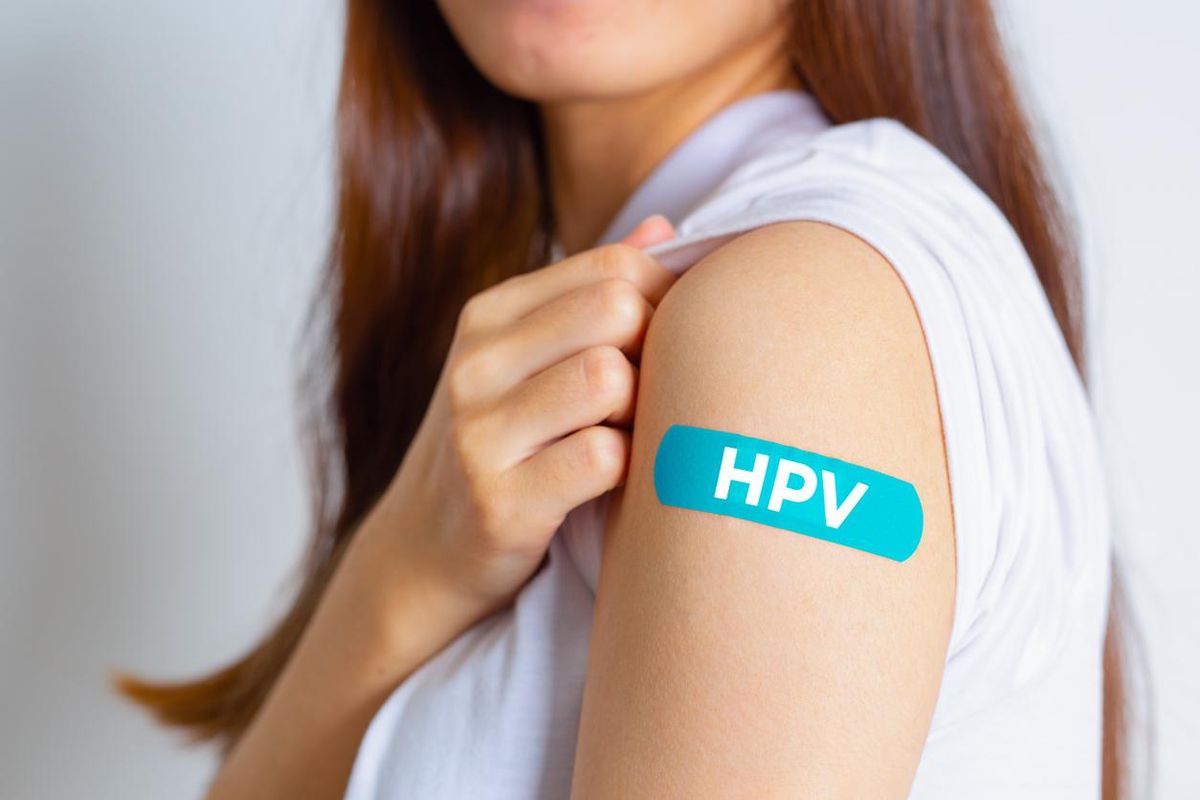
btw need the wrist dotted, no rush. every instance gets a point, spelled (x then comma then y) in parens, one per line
(407, 591)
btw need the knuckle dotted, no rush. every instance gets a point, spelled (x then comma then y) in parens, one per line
(603, 451)
(606, 371)
(620, 260)
(470, 371)
(620, 301)
(469, 314)
(479, 309)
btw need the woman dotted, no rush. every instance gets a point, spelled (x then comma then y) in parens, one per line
(874, 276)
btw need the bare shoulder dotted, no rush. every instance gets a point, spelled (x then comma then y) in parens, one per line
(828, 297)
(780, 662)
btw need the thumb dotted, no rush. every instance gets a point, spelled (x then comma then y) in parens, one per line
(652, 230)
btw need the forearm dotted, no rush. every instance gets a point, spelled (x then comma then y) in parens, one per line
(527, 423)
(383, 614)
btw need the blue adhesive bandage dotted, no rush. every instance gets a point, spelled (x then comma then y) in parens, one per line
(785, 487)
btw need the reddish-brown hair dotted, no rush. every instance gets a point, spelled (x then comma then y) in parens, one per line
(442, 192)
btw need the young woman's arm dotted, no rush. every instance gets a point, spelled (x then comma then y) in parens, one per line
(527, 422)
(386, 610)
(733, 659)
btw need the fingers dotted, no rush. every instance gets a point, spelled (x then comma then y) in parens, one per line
(611, 312)
(520, 295)
(595, 386)
(652, 230)
(542, 373)
(571, 471)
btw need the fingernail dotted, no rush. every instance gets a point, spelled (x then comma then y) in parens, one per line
(652, 230)
(655, 220)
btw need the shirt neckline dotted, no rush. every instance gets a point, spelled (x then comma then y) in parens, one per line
(708, 155)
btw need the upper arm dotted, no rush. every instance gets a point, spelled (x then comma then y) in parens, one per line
(730, 658)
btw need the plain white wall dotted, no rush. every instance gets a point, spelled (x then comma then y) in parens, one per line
(163, 208)
(164, 199)
(1118, 83)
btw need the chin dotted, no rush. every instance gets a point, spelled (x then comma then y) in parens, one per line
(554, 50)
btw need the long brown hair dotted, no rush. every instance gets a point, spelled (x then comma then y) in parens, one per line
(442, 192)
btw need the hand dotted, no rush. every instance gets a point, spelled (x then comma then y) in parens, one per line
(529, 418)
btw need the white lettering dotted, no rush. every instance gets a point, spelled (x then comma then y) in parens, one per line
(835, 515)
(781, 491)
(753, 478)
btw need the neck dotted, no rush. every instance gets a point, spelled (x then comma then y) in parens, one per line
(599, 150)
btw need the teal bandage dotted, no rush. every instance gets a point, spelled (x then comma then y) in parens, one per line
(785, 487)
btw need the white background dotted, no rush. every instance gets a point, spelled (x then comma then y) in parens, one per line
(164, 202)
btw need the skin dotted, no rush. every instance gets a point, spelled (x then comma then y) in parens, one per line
(528, 420)
(727, 659)
(730, 659)
(619, 83)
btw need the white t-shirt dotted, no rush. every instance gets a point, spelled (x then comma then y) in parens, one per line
(495, 714)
